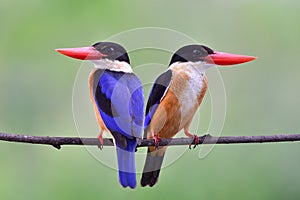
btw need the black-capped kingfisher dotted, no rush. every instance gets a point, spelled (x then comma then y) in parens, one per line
(175, 97)
(118, 101)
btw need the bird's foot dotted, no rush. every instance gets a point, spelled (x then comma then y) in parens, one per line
(100, 146)
(138, 142)
(195, 139)
(156, 141)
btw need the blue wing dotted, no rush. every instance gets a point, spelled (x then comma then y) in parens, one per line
(120, 101)
(136, 106)
(158, 91)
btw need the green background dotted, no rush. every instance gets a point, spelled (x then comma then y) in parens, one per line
(262, 97)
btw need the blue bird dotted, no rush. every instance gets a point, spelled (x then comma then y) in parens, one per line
(117, 97)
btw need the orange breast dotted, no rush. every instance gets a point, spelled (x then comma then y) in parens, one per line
(166, 119)
(179, 105)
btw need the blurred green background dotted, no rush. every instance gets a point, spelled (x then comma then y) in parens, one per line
(262, 97)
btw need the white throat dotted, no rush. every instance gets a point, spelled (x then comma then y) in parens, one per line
(118, 66)
(201, 66)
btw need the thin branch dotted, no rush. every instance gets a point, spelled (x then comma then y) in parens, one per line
(206, 139)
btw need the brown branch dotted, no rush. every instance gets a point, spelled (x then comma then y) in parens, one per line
(206, 139)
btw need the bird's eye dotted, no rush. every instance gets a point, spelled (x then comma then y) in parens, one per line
(196, 52)
(109, 50)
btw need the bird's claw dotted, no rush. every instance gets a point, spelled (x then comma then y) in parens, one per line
(195, 141)
(156, 141)
(101, 142)
(138, 142)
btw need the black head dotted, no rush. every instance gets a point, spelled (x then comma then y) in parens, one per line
(193, 53)
(112, 51)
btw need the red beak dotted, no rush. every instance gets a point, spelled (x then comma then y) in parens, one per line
(82, 53)
(221, 58)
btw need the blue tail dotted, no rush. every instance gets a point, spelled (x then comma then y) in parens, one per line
(126, 163)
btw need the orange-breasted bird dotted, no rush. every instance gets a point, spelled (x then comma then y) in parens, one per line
(118, 99)
(175, 97)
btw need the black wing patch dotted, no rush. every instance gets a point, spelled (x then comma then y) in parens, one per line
(120, 139)
(158, 90)
(102, 100)
(105, 103)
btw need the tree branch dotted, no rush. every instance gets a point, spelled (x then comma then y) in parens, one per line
(206, 139)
